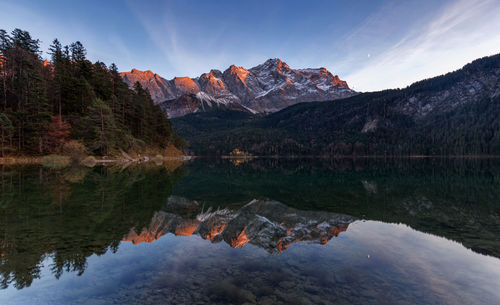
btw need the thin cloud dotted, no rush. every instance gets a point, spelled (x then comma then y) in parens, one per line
(46, 28)
(181, 55)
(461, 32)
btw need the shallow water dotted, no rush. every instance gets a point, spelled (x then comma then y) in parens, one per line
(262, 231)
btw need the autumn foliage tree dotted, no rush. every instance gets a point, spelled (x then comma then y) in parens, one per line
(58, 133)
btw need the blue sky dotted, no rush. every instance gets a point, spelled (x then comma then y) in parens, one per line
(374, 44)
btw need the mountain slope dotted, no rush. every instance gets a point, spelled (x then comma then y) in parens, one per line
(199, 102)
(268, 87)
(456, 114)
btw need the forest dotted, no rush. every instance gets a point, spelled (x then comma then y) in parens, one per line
(465, 123)
(68, 101)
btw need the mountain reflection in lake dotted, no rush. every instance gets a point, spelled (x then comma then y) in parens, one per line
(265, 231)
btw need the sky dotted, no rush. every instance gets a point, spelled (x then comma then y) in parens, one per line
(373, 45)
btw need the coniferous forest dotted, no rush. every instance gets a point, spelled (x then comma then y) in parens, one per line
(452, 114)
(46, 104)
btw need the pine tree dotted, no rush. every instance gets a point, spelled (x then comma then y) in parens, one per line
(44, 105)
(78, 52)
(57, 60)
(6, 130)
(24, 89)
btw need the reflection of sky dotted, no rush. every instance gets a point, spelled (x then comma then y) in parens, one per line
(371, 261)
(373, 44)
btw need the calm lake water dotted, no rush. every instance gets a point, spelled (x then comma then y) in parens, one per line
(265, 231)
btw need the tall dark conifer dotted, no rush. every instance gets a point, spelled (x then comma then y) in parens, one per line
(44, 104)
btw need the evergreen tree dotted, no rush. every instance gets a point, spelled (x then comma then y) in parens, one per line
(78, 52)
(6, 130)
(24, 88)
(44, 105)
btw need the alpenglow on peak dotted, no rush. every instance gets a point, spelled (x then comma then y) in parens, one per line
(268, 87)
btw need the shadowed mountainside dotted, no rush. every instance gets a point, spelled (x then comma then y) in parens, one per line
(453, 114)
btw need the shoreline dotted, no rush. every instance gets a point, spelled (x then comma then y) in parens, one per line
(38, 160)
(354, 157)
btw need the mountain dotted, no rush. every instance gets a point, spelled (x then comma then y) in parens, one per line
(199, 102)
(160, 88)
(452, 114)
(270, 225)
(268, 87)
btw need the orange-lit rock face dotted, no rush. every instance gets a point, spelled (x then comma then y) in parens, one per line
(186, 85)
(187, 228)
(268, 87)
(138, 74)
(283, 245)
(337, 82)
(239, 72)
(334, 232)
(214, 85)
(159, 88)
(267, 224)
(150, 234)
(214, 231)
(240, 240)
(281, 66)
(145, 236)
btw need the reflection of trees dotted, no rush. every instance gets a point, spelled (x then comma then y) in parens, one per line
(454, 198)
(97, 207)
(93, 210)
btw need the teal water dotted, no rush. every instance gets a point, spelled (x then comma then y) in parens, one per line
(265, 231)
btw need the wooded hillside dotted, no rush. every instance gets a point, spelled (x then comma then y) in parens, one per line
(45, 104)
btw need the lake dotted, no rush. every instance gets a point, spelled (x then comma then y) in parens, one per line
(262, 231)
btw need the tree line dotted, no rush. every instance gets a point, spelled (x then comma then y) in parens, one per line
(46, 103)
(460, 125)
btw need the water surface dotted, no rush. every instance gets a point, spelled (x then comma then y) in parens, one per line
(264, 231)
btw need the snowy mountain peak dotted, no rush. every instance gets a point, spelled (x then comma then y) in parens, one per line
(273, 61)
(277, 64)
(212, 74)
(272, 64)
(268, 87)
(240, 72)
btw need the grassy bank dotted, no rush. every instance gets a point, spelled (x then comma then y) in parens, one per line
(171, 153)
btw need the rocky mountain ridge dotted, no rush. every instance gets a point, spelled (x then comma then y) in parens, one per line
(270, 225)
(268, 87)
(452, 114)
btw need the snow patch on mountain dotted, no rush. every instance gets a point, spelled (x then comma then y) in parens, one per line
(268, 87)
